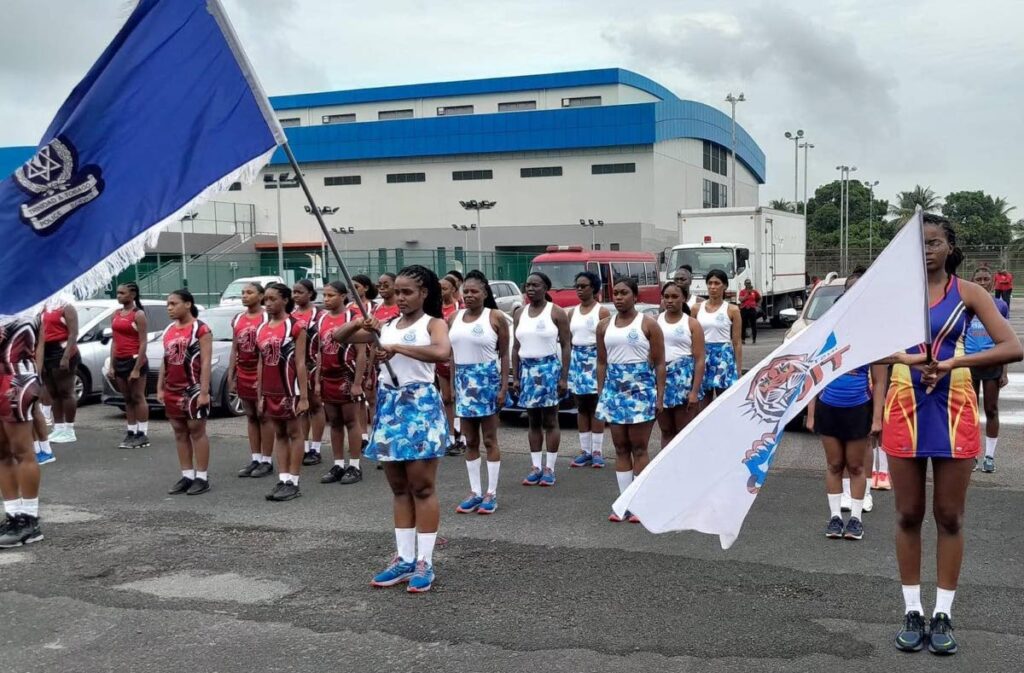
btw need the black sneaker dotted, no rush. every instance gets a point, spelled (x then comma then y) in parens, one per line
(10, 532)
(352, 475)
(854, 529)
(128, 441)
(264, 470)
(834, 530)
(28, 527)
(198, 486)
(249, 469)
(334, 474)
(940, 635)
(311, 458)
(181, 486)
(287, 492)
(277, 487)
(912, 636)
(141, 440)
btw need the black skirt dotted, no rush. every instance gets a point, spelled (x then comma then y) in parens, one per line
(123, 367)
(843, 423)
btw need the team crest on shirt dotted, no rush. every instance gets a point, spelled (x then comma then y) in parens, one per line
(478, 331)
(247, 340)
(270, 349)
(633, 335)
(680, 331)
(177, 350)
(409, 337)
(541, 325)
(328, 346)
(57, 185)
(590, 321)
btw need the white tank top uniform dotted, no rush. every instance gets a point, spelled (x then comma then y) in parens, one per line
(584, 325)
(720, 359)
(679, 363)
(716, 324)
(627, 345)
(538, 337)
(407, 369)
(678, 339)
(583, 361)
(540, 364)
(475, 342)
(630, 390)
(477, 374)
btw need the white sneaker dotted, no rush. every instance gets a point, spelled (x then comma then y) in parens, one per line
(844, 503)
(57, 436)
(69, 436)
(869, 502)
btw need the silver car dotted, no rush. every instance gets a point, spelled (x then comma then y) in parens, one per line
(507, 295)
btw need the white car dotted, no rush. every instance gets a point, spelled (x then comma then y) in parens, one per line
(507, 295)
(232, 295)
(822, 296)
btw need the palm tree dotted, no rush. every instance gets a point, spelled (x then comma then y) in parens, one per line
(1003, 207)
(781, 204)
(907, 203)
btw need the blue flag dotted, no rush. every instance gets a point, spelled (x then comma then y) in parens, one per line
(170, 114)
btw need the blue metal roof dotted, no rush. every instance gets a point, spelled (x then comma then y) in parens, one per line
(558, 80)
(12, 157)
(564, 128)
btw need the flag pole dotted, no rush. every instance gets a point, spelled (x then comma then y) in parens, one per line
(919, 214)
(334, 249)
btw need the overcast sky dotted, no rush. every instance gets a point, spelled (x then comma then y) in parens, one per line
(917, 91)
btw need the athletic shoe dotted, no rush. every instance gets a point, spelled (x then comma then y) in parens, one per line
(973, 469)
(311, 458)
(28, 527)
(547, 477)
(127, 442)
(399, 571)
(470, 504)
(615, 518)
(633, 518)
(180, 486)
(596, 461)
(582, 460)
(940, 635)
(912, 636)
(264, 470)
(854, 529)
(287, 492)
(334, 474)
(533, 478)
(869, 502)
(248, 469)
(989, 464)
(273, 493)
(845, 503)
(45, 457)
(198, 486)
(352, 475)
(59, 436)
(883, 482)
(141, 440)
(489, 505)
(10, 532)
(455, 449)
(834, 530)
(422, 579)
(48, 417)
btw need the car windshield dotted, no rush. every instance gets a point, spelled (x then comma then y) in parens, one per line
(220, 323)
(562, 274)
(822, 301)
(87, 314)
(234, 290)
(703, 260)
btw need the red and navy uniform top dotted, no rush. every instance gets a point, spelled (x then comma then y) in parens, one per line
(126, 333)
(182, 361)
(18, 346)
(244, 327)
(310, 319)
(277, 357)
(852, 389)
(55, 326)
(448, 309)
(384, 313)
(335, 362)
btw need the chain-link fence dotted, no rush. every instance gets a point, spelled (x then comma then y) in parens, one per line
(820, 262)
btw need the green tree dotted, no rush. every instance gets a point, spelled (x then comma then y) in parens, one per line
(781, 204)
(907, 203)
(979, 218)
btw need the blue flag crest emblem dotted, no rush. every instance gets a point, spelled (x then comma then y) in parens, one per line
(56, 184)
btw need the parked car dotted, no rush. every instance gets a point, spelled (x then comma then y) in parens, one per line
(507, 295)
(232, 295)
(822, 296)
(219, 320)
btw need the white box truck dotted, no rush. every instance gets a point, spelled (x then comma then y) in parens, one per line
(767, 246)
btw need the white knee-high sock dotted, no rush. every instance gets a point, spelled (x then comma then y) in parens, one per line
(425, 547)
(552, 457)
(405, 542)
(990, 448)
(624, 479)
(596, 442)
(883, 462)
(585, 442)
(846, 487)
(834, 508)
(944, 601)
(912, 598)
(537, 458)
(473, 467)
(493, 470)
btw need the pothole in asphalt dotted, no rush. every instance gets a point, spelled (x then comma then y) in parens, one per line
(223, 587)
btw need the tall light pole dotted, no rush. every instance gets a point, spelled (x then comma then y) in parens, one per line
(187, 217)
(732, 100)
(279, 181)
(324, 210)
(344, 232)
(796, 138)
(871, 219)
(465, 229)
(593, 230)
(844, 216)
(478, 206)
(806, 146)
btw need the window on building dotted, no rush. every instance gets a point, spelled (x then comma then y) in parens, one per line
(339, 180)
(486, 174)
(581, 101)
(515, 106)
(716, 158)
(235, 187)
(291, 121)
(395, 114)
(715, 195)
(339, 119)
(451, 110)
(613, 246)
(540, 172)
(406, 177)
(605, 169)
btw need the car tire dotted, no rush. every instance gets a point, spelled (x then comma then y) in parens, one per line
(231, 403)
(83, 386)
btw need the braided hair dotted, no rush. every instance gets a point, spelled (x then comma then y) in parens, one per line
(364, 280)
(185, 295)
(286, 294)
(956, 256)
(308, 284)
(134, 287)
(544, 279)
(428, 281)
(478, 276)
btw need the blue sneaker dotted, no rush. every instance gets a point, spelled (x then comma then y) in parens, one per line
(547, 477)
(989, 464)
(422, 579)
(489, 505)
(582, 460)
(597, 461)
(470, 504)
(44, 457)
(399, 571)
(533, 478)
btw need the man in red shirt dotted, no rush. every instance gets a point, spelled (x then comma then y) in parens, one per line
(1004, 285)
(750, 302)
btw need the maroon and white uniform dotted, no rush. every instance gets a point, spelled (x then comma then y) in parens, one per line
(279, 375)
(337, 360)
(311, 321)
(182, 370)
(245, 326)
(19, 385)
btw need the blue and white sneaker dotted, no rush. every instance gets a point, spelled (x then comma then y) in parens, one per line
(533, 478)
(44, 457)
(422, 579)
(399, 571)
(489, 505)
(597, 461)
(547, 477)
(470, 504)
(582, 460)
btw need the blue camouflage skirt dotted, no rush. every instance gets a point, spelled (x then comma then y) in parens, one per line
(476, 389)
(679, 382)
(410, 424)
(583, 370)
(720, 366)
(538, 382)
(630, 394)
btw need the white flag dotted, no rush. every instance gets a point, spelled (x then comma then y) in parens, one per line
(707, 477)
